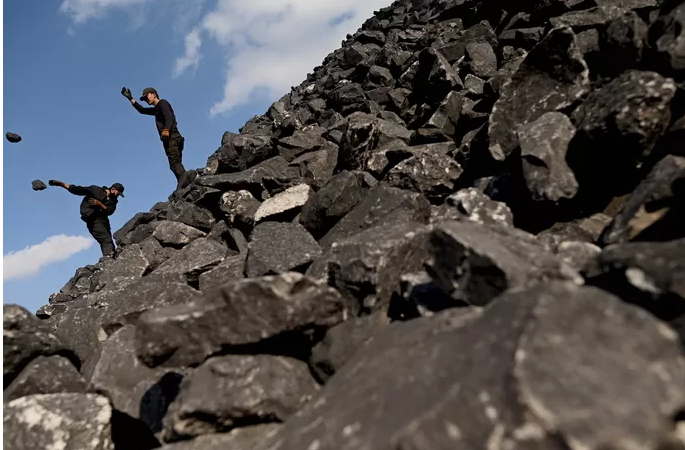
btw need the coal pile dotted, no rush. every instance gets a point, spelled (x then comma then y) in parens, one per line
(465, 228)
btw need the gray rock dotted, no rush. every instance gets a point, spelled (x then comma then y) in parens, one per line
(474, 85)
(240, 313)
(382, 205)
(45, 375)
(366, 267)
(137, 220)
(64, 421)
(342, 341)
(475, 263)
(288, 202)
(552, 76)
(446, 116)
(653, 209)
(133, 388)
(303, 141)
(273, 171)
(408, 388)
(47, 311)
(24, 338)
(131, 263)
(429, 172)
(648, 274)
(435, 77)
(230, 269)
(544, 143)
(317, 168)
(225, 160)
(190, 214)
(380, 76)
(279, 247)
(625, 39)
(176, 233)
(250, 437)
(600, 15)
(362, 133)
(199, 256)
(239, 208)
(227, 391)
(666, 36)
(479, 208)
(481, 59)
(38, 185)
(89, 320)
(335, 199)
(618, 126)
(577, 255)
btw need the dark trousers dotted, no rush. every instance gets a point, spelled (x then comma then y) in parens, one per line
(173, 147)
(100, 230)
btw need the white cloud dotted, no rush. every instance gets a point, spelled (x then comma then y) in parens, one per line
(32, 259)
(192, 56)
(271, 47)
(82, 10)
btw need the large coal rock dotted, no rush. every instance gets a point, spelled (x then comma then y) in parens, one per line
(24, 338)
(227, 391)
(551, 77)
(251, 312)
(66, 421)
(515, 376)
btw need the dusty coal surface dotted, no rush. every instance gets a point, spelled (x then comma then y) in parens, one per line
(464, 229)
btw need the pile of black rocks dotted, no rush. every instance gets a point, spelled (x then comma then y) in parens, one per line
(465, 229)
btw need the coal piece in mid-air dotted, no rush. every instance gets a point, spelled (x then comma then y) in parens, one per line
(13, 137)
(38, 185)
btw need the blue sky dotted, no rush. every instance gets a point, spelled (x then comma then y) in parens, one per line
(218, 62)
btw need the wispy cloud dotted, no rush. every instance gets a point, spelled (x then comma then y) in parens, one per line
(32, 259)
(272, 46)
(268, 45)
(83, 10)
(192, 55)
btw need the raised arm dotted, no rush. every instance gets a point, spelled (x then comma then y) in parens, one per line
(126, 92)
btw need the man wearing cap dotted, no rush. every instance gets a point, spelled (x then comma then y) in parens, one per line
(166, 126)
(98, 204)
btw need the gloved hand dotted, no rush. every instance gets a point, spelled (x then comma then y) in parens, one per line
(54, 183)
(165, 134)
(126, 92)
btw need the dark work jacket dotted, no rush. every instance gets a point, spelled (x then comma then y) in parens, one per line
(164, 115)
(88, 211)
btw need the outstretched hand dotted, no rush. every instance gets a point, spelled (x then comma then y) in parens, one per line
(126, 92)
(54, 183)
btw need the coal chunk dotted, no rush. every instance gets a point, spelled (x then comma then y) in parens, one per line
(13, 137)
(38, 185)
(279, 247)
(552, 76)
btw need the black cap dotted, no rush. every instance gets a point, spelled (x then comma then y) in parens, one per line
(119, 187)
(147, 90)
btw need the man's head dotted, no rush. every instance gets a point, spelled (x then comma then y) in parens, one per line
(117, 189)
(149, 95)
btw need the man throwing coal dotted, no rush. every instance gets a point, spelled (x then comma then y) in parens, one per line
(98, 204)
(166, 126)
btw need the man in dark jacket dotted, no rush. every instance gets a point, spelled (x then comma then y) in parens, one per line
(98, 204)
(166, 126)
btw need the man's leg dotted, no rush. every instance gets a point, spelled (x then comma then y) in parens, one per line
(173, 148)
(100, 230)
